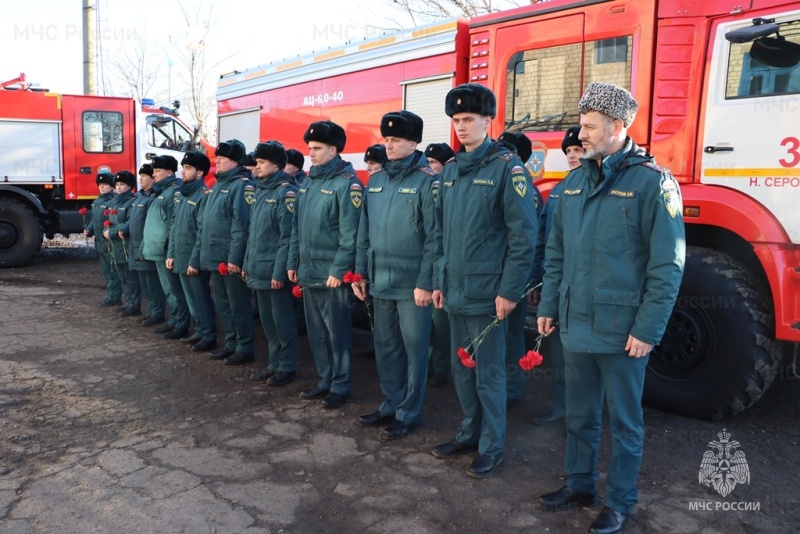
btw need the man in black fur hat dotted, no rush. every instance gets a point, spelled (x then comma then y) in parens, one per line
(485, 236)
(322, 251)
(395, 261)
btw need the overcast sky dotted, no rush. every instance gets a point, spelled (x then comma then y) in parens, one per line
(43, 37)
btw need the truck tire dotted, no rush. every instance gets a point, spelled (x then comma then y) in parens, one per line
(20, 234)
(718, 355)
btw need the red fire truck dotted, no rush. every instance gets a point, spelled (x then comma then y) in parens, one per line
(51, 148)
(718, 83)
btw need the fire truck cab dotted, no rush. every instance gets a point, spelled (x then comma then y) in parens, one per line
(53, 147)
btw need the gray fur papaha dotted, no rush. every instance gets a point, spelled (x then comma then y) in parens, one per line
(610, 100)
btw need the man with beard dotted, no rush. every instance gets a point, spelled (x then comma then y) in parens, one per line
(613, 266)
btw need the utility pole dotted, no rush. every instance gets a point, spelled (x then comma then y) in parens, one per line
(89, 56)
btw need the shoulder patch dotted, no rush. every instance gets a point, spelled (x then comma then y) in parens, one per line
(249, 194)
(517, 170)
(507, 156)
(356, 195)
(671, 195)
(290, 201)
(520, 183)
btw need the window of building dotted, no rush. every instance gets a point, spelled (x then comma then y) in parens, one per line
(611, 50)
(102, 132)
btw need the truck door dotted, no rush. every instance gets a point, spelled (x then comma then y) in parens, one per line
(98, 134)
(750, 136)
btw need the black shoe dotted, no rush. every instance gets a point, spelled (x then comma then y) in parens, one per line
(549, 419)
(131, 312)
(511, 402)
(333, 400)
(609, 521)
(237, 358)
(398, 430)
(564, 499)
(316, 393)
(152, 321)
(221, 354)
(194, 338)
(143, 318)
(107, 302)
(483, 465)
(281, 378)
(122, 308)
(439, 378)
(452, 448)
(262, 374)
(204, 345)
(164, 329)
(376, 419)
(176, 334)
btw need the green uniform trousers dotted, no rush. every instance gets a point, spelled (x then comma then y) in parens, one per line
(235, 311)
(328, 319)
(276, 309)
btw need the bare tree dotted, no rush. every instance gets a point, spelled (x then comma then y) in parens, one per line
(422, 11)
(134, 70)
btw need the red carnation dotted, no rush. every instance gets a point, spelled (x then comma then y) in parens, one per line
(106, 212)
(106, 223)
(468, 363)
(113, 212)
(223, 268)
(530, 360)
(82, 211)
(297, 291)
(463, 354)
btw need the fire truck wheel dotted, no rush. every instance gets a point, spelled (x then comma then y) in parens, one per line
(20, 234)
(718, 355)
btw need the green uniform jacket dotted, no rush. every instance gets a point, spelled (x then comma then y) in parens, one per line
(189, 205)
(271, 221)
(486, 229)
(120, 213)
(324, 235)
(98, 217)
(395, 234)
(614, 258)
(226, 220)
(134, 230)
(159, 219)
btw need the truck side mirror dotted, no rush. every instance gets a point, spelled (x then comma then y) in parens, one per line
(775, 52)
(760, 28)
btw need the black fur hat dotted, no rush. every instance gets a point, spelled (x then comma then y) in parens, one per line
(295, 157)
(146, 169)
(232, 149)
(327, 132)
(375, 153)
(104, 177)
(165, 162)
(198, 160)
(126, 177)
(519, 142)
(249, 160)
(441, 152)
(571, 139)
(271, 151)
(402, 124)
(470, 98)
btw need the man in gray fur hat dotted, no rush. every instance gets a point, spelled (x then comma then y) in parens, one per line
(611, 305)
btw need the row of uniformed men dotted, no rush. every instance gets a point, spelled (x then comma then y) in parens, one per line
(464, 242)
